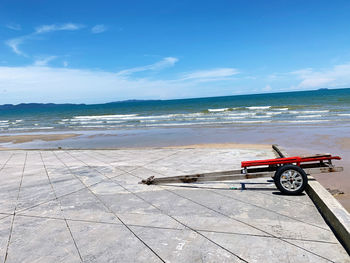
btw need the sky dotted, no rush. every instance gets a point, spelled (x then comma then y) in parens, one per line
(103, 51)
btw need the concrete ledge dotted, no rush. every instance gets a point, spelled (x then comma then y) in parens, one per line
(332, 211)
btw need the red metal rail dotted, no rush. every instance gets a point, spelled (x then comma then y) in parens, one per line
(288, 160)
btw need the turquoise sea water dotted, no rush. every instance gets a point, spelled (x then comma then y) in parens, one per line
(309, 107)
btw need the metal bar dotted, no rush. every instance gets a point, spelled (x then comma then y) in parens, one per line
(271, 165)
(278, 151)
(204, 178)
(229, 176)
(294, 159)
(190, 178)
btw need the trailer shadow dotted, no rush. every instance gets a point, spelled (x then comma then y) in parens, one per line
(279, 193)
(267, 189)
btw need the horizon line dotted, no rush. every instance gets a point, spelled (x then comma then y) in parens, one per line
(191, 98)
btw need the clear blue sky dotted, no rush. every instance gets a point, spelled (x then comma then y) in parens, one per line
(100, 51)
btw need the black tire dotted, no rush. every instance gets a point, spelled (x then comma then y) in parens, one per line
(290, 179)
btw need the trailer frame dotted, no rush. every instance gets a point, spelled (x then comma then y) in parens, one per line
(315, 164)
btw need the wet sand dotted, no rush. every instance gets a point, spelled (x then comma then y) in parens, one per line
(222, 146)
(16, 139)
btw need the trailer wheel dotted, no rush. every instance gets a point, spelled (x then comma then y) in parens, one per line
(290, 179)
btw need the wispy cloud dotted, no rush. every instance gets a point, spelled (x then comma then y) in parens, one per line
(98, 29)
(57, 27)
(15, 43)
(211, 74)
(164, 63)
(267, 88)
(79, 85)
(44, 61)
(337, 76)
(92, 86)
(15, 27)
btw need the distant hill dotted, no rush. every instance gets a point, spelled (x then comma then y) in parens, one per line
(55, 105)
(33, 105)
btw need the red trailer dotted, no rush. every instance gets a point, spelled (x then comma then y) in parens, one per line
(289, 173)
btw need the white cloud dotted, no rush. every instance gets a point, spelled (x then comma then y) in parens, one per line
(14, 43)
(164, 63)
(212, 74)
(15, 27)
(98, 29)
(62, 85)
(65, 63)
(337, 76)
(43, 61)
(54, 27)
(267, 88)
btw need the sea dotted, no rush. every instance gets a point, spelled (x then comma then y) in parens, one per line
(302, 107)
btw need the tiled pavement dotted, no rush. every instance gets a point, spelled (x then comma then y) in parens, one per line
(72, 206)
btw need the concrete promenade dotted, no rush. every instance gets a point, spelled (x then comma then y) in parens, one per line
(87, 206)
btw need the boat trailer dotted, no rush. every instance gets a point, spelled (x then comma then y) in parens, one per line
(290, 174)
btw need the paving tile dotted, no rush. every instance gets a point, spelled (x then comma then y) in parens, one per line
(5, 226)
(184, 246)
(203, 222)
(50, 209)
(109, 243)
(262, 249)
(83, 205)
(334, 251)
(41, 240)
(259, 217)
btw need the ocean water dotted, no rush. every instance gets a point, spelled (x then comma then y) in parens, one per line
(304, 107)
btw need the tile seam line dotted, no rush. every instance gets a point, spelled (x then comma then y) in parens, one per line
(182, 197)
(64, 195)
(6, 161)
(263, 231)
(286, 199)
(156, 160)
(14, 211)
(8, 215)
(129, 172)
(239, 201)
(170, 228)
(59, 202)
(137, 167)
(108, 209)
(205, 189)
(240, 221)
(144, 166)
(97, 222)
(213, 191)
(298, 220)
(240, 258)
